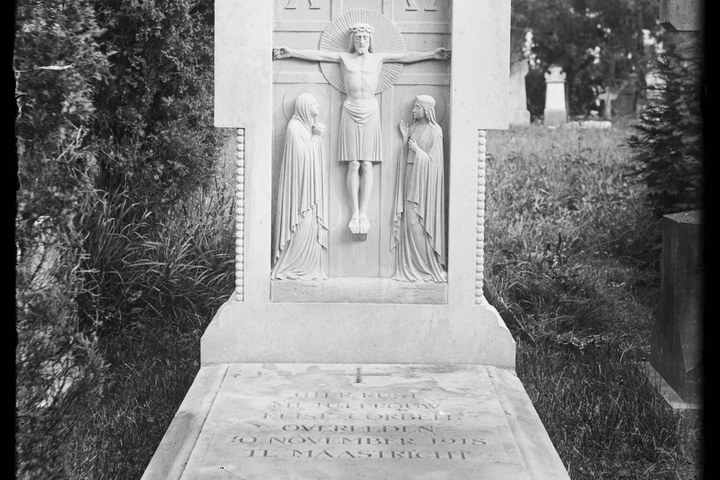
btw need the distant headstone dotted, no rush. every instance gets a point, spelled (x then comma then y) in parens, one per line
(676, 343)
(627, 101)
(555, 113)
(519, 113)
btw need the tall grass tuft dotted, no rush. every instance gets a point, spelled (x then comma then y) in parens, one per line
(161, 265)
(572, 265)
(157, 277)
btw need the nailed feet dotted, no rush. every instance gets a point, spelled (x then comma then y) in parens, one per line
(359, 224)
(354, 224)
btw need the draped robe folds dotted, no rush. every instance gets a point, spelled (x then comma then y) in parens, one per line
(360, 136)
(301, 232)
(418, 236)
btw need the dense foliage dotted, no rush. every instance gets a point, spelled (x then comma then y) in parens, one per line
(599, 43)
(113, 130)
(572, 266)
(156, 116)
(59, 66)
(668, 147)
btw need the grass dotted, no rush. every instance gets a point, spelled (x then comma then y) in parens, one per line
(572, 266)
(158, 279)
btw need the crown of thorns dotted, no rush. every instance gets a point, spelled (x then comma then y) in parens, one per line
(362, 27)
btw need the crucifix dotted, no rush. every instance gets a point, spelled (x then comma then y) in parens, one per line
(360, 138)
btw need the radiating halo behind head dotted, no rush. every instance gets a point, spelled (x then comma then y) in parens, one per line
(364, 28)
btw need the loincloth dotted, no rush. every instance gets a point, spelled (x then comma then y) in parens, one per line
(360, 135)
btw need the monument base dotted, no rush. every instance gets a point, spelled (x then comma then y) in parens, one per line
(668, 393)
(341, 421)
(554, 118)
(281, 332)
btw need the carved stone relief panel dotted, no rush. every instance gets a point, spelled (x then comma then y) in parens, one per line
(395, 29)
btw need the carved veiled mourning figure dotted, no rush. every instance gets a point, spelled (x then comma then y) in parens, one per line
(301, 231)
(419, 215)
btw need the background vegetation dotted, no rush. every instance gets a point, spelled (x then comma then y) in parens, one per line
(124, 248)
(573, 268)
(601, 45)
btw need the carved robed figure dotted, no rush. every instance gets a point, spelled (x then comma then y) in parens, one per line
(301, 232)
(360, 138)
(419, 215)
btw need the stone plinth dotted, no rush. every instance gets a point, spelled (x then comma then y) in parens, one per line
(555, 113)
(683, 24)
(676, 344)
(681, 15)
(355, 422)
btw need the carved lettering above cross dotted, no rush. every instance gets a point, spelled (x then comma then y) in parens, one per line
(412, 6)
(291, 5)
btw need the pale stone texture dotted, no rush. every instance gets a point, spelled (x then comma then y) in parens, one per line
(264, 326)
(555, 113)
(322, 422)
(676, 343)
(519, 114)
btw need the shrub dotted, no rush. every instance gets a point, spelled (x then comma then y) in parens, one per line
(58, 66)
(156, 117)
(668, 155)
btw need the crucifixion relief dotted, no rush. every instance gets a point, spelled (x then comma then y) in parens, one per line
(360, 138)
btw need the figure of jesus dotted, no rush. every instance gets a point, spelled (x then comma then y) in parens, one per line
(360, 138)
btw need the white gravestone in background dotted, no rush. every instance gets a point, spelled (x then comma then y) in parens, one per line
(519, 114)
(555, 113)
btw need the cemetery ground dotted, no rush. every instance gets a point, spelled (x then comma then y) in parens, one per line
(572, 265)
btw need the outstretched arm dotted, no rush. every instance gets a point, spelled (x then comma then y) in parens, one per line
(310, 55)
(412, 57)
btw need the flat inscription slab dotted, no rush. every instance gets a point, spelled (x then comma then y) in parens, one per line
(302, 421)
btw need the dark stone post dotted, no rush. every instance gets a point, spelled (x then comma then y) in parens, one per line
(676, 342)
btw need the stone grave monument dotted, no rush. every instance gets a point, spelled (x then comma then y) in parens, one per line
(555, 113)
(357, 343)
(519, 114)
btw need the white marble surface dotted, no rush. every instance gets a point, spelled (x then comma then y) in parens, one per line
(316, 421)
(247, 332)
(457, 326)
